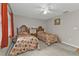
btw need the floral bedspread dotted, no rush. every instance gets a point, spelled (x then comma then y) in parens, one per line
(24, 44)
(47, 37)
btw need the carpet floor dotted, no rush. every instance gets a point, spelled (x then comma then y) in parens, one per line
(56, 49)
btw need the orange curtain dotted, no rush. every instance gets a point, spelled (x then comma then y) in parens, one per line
(4, 11)
(12, 25)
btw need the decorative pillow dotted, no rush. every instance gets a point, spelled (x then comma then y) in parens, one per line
(40, 31)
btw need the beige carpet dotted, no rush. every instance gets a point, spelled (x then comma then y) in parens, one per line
(56, 49)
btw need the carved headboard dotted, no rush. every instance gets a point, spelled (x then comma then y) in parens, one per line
(40, 28)
(23, 29)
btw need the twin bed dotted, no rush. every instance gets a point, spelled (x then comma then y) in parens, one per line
(24, 41)
(48, 38)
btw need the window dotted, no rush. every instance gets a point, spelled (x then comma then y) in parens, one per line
(9, 24)
(5, 24)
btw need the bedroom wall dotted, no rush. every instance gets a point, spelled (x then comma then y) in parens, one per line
(68, 31)
(30, 22)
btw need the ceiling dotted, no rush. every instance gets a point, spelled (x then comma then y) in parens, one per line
(32, 10)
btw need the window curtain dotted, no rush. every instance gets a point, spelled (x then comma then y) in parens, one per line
(0, 30)
(4, 10)
(12, 25)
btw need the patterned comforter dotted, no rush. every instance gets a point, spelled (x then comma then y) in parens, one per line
(47, 37)
(24, 44)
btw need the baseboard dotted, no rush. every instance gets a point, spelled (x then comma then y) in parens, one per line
(70, 45)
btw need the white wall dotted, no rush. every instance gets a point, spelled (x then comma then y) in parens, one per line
(68, 31)
(20, 20)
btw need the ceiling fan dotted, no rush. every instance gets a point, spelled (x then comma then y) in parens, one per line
(50, 8)
(46, 8)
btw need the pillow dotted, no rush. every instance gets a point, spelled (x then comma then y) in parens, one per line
(40, 31)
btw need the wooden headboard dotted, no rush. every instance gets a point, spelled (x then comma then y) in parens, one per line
(23, 28)
(40, 28)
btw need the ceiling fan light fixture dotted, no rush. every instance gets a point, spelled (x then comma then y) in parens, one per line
(45, 9)
(45, 12)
